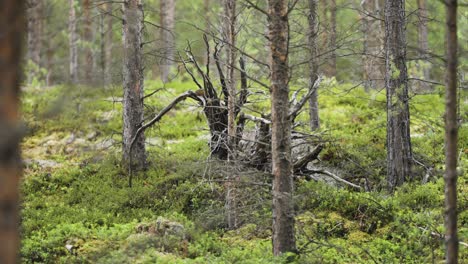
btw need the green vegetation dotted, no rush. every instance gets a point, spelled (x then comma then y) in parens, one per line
(77, 208)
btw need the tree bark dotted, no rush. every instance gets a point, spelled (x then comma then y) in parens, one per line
(167, 36)
(207, 12)
(423, 44)
(12, 25)
(399, 154)
(108, 44)
(451, 134)
(229, 36)
(374, 64)
(313, 64)
(88, 40)
(133, 85)
(35, 22)
(283, 237)
(73, 43)
(333, 46)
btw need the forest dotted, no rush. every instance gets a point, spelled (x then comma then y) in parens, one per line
(233, 131)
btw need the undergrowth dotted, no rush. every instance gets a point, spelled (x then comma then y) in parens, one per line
(77, 207)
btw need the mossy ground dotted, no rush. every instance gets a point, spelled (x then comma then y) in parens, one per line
(75, 194)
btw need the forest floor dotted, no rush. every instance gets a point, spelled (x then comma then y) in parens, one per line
(77, 206)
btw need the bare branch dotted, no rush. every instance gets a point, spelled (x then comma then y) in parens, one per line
(298, 106)
(336, 178)
(313, 155)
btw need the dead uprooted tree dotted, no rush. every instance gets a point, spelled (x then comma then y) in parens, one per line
(214, 101)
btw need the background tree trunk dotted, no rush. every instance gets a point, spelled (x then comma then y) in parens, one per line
(167, 36)
(207, 12)
(399, 155)
(229, 36)
(313, 64)
(374, 64)
(133, 84)
(283, 207)
(108, 44)
(88, 40)
(333, 47)
(12, 27)
(451, 135)
(35, 31)
(73, 43)
(423, 44)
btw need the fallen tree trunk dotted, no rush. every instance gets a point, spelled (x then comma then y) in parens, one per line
(307, 173)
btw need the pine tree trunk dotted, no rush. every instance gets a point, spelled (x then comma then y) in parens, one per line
(399, 155)
(34, 16)
(283, 207)
(108, 44)
(133, 85)
(423, 44)
(88, 40)
(12, 25)
(451, 135)
(313, 64)
(333, 46)
(73, 43)
(229, 26)
(374, 64)
(207, 12)
(167, 36)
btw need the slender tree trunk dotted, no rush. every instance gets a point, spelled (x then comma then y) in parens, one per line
(12, 25)
(73, 43)
(34, 16)
(313, 64)
(88, 40)
(324, 30)
(333, 46)
(423, 43)
(229, 26)
(374, 64)
(399, 155)
(102, 45)
(133, 85)
(451, 135)
(49, 52)
(108, 44)
(207, 12)
(283, 207)
(167, 35)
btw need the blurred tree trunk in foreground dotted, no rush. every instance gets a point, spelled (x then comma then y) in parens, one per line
(12, 27)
